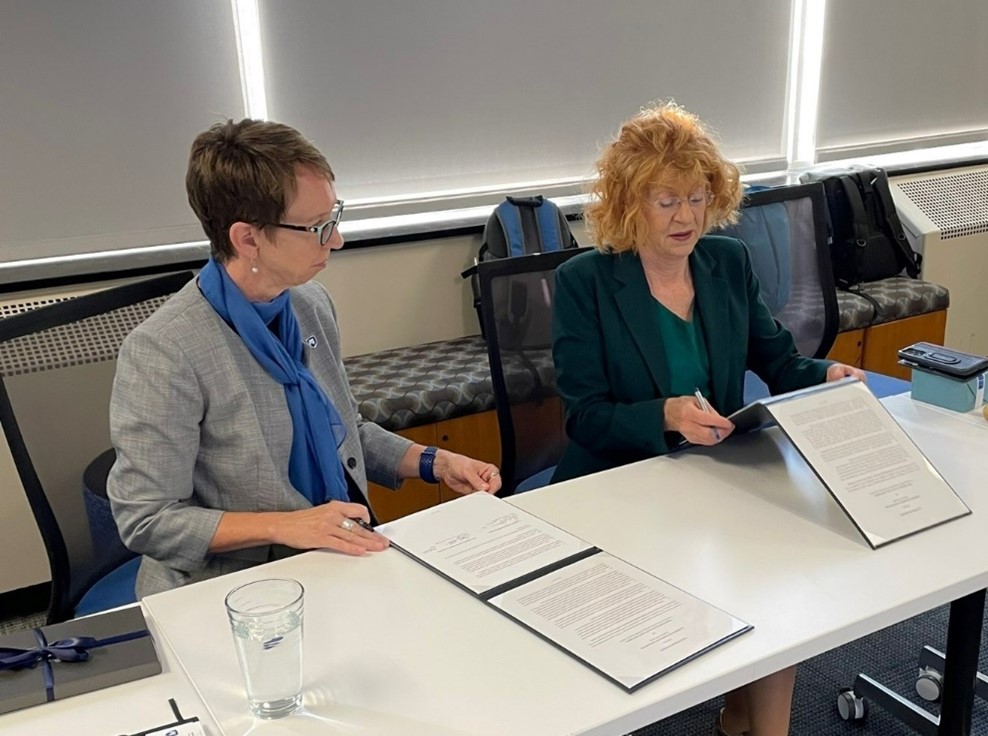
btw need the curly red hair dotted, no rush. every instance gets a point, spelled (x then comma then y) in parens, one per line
(662, 146)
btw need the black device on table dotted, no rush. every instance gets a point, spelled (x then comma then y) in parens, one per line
(939, 359)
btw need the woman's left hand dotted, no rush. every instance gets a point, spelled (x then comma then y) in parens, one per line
(838, 371)
(466, 475)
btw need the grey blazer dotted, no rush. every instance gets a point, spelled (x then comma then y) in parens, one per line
(201, 428)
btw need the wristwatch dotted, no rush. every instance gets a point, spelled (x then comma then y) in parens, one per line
(426, 461)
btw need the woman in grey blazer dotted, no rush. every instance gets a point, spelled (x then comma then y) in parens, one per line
(237, 436)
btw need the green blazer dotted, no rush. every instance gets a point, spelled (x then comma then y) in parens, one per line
(611, 367)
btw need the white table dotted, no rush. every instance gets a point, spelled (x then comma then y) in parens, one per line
(774, 549)
(392, 648)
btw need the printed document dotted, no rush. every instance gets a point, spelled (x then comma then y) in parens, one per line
(620, 621)
(483, 543)
(876, 473)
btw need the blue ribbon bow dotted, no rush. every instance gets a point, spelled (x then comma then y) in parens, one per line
(74, 649)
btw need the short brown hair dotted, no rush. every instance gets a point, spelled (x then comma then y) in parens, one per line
(662, 145)
(245, 172)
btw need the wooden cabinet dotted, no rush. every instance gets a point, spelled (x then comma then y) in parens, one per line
(876, 348)
(848, 348)
(475, 435)
(882, 342)
(414, 494)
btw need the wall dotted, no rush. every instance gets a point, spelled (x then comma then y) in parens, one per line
(407, 294)
(400, 295)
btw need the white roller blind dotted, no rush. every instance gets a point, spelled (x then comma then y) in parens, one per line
(99, 103)
(407, 98)
(902, 73)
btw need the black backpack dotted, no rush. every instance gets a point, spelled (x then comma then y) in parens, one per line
(520, 226)
(867, 240)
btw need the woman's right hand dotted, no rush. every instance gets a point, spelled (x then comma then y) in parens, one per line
(322, 527)
(698, 426)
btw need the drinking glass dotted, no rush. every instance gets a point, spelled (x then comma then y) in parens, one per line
(266, 619)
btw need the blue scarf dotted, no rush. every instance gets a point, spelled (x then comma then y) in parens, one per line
(314, 467)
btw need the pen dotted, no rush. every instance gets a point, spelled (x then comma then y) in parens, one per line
(702, 403)
(362, 523)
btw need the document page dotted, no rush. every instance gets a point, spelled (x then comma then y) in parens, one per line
(626, 624)
(758, 413)
(481, 541)
(881, 479)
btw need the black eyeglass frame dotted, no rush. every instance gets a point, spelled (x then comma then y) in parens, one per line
(324, 231)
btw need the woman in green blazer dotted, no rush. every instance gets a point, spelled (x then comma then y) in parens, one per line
(661, 311)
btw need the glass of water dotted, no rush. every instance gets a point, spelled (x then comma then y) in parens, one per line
(266, 618)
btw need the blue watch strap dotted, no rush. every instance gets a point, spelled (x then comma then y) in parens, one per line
(426, 461)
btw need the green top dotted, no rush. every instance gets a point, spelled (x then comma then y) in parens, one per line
(685, 351)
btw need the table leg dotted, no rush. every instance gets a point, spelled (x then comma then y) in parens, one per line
(961, 664)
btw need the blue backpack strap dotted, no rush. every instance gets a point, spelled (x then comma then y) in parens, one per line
(510, 219)
(548, 217)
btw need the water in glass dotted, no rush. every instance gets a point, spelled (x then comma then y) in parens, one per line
(266, 620)
(271, 656)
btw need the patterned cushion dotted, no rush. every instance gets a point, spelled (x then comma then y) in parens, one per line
(422, 384)
(890, 299)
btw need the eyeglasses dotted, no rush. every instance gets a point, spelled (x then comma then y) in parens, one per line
(324, 230)
(697, 201)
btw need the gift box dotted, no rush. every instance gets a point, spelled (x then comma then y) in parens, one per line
(74, 657)
(940, 389)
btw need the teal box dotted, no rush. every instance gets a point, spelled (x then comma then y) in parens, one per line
(958, 394)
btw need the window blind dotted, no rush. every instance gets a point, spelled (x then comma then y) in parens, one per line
(100, 103)
(901, 74)
(418, 103)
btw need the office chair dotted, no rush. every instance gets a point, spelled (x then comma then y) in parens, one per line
(57, 364)
(785, 231)
(516, 296)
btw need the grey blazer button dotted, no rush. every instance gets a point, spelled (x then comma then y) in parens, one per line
(351, 463)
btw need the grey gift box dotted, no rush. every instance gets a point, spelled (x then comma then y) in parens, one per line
(106, 666)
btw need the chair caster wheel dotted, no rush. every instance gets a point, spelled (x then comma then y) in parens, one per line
(929, 684)
(850, 706)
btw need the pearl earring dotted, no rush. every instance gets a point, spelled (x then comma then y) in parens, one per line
(253, 267)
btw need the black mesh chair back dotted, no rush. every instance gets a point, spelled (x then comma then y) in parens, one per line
(516, 303)
(57, 365)
(785, 229)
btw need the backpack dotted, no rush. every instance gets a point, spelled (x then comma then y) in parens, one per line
(867, 241)
(520, 226)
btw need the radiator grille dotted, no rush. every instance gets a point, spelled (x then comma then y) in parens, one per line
(956, 203)
(12, 308)
(89, 340)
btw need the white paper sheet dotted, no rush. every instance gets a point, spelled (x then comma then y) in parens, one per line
(881, 479)
(623, 622)
(481, 542)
